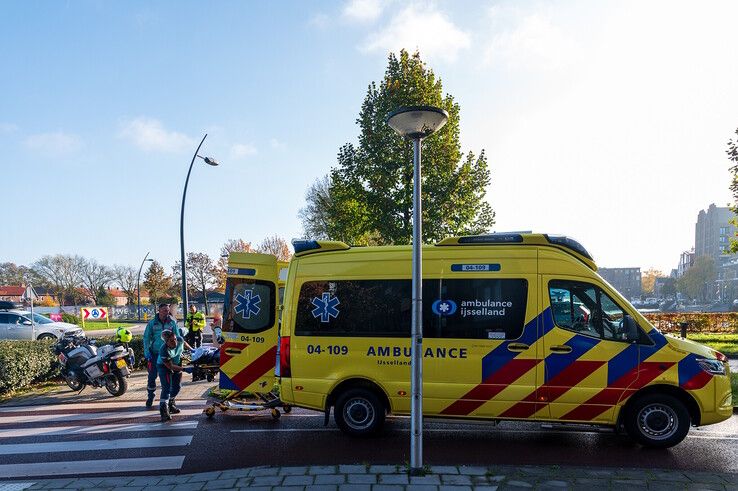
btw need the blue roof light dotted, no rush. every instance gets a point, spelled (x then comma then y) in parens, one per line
(302, 245)
(569, 243)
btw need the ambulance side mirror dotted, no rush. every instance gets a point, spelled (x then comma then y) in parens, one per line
(630, 327)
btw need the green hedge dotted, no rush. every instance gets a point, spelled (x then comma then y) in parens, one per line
(25, 362)
(70, 318)
(702, 322)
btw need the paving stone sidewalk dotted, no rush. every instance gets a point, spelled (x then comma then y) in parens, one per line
(395, 478)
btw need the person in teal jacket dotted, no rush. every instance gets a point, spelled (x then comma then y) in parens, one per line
(169, 367)
(152, 346)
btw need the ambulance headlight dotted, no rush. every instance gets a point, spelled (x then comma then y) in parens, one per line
(713, 367)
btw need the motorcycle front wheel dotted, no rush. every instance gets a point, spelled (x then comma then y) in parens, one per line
(116, 384)
(74, 382)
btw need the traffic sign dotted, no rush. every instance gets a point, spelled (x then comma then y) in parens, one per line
(94, 314)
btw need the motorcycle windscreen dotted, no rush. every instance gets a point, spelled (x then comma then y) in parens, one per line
(250, 326)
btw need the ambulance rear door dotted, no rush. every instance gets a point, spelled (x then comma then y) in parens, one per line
(250, 323)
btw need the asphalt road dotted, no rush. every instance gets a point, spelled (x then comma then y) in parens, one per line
(119, 437)
(299, 438)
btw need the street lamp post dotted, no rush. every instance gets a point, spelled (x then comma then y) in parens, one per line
(417, 123)
(208, 161)
(138, 285)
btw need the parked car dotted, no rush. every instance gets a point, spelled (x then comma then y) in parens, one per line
(16, 324)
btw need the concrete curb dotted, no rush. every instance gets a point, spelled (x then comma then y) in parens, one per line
(394, 478)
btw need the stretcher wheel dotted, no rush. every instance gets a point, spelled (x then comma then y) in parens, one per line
(210, 377)
(276, 414)
(287, 409)
(210, 412)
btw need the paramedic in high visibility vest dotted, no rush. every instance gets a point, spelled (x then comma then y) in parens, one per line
(152, 344)
(195, 324)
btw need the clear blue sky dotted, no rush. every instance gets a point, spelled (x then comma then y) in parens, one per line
(605, 121)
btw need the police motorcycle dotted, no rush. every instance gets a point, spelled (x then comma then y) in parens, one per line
(84, 363)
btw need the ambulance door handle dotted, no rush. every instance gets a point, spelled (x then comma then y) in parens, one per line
(517, 347)
(233, 351)
(561, 348)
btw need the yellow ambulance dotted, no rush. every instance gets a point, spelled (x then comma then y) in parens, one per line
(254, 289)
(516, 326)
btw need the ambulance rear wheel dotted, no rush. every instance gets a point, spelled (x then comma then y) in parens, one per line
(657, 420)
(359, 412)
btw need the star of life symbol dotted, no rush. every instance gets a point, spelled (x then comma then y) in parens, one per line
(325, 307)
(247, 304)
(444, 307)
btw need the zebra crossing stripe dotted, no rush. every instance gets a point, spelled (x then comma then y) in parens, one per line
(15, 486)
(63, 418)
(80, 467)
(99, 405)
(96, 429)
(87, 445)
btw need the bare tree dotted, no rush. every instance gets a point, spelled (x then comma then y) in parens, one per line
(125, 277)
(275, 246)
(202, 271)
(95, 279)
(11, 274)
(63, 273)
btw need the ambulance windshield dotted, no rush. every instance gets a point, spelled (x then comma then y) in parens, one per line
(249, 304)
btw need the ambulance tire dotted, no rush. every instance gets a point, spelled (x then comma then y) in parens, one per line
(657, 421)
(359, 412)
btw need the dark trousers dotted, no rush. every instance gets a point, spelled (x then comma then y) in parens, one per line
(194, 338)
(171, 382)
(151, 383)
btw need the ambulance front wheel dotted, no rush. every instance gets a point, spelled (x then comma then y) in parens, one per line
(359, 412)
(657, 420)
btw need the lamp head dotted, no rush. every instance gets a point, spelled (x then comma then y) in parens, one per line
(209, 160)
(417, 121)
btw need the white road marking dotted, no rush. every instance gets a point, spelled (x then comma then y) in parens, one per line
(51, 418)
(86, 445)
(99, 405)
(79, 467)
(706, 437)
(16, 486)
(286, 430)
(469, 430)
(95, 429)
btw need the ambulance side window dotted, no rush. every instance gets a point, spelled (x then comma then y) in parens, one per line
(370, 308)
(586, 309)
(478, 308)
(250, 305)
